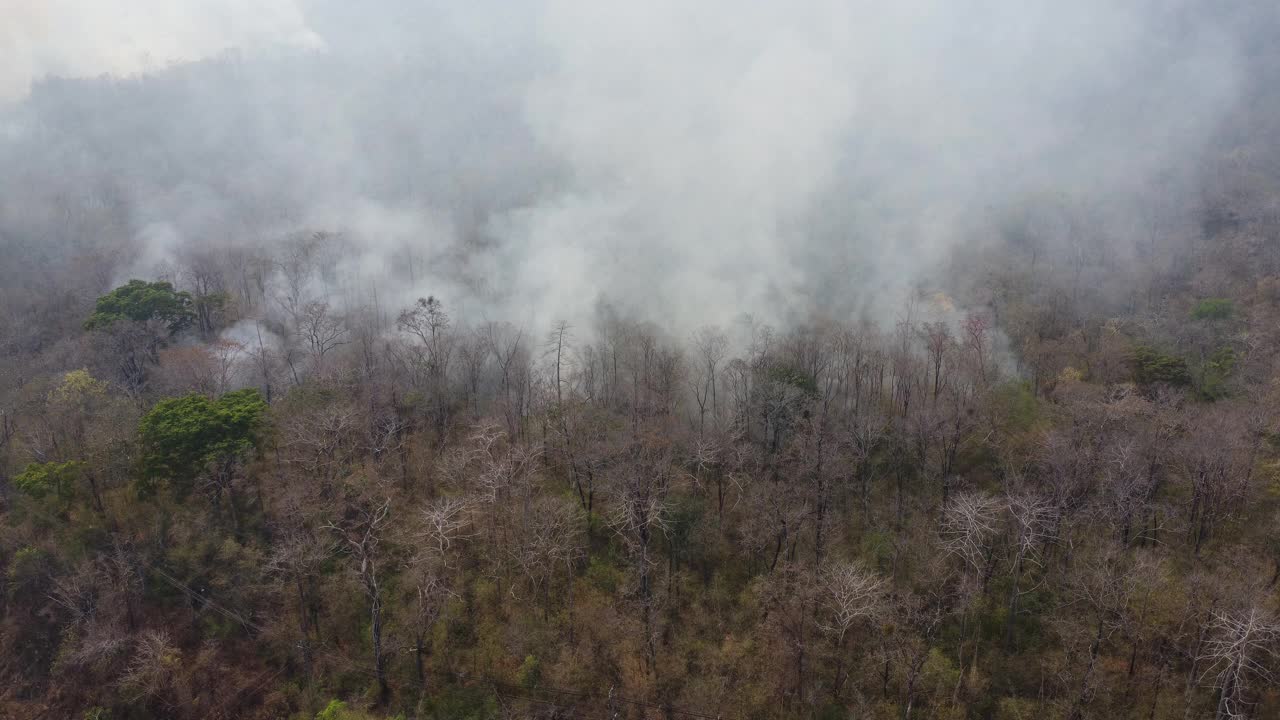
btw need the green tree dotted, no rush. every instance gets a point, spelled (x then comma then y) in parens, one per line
(140, 301)
(529, 674)
(338, 710)
(51, 479)
(1215, 373)
(1151, 366)
(134, 321)
(1213, 309)
(185, 438)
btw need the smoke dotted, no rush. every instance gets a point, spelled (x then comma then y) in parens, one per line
(77, 38)
(687, 162)
(730, 157)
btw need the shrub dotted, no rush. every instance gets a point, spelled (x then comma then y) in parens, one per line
(1213, 309)
(530, 672)
(1151, 366)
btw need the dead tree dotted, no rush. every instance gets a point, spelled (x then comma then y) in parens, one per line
(359, 537)
(443, 524)
(848, 594)
(1239, 647)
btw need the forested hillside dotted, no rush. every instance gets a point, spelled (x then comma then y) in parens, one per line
(250, 473)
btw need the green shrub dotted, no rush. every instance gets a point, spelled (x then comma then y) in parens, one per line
(1151, 366)
(52, 478)
(530, 672)
(795, 378)
(1215, 373)
(1213, 309)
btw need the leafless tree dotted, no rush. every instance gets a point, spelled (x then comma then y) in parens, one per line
(938, 342)
(1216, 458)
(443, 524)
(322, 440)
(473, 354)
(297, 561)
(710, 344)
(1238, 650)
(848, 592)
(153, 670)
(505, 341)
(976, 331)
(971, 521)
(428, 322)
(1033, 520)
(359, 536)
(642, 480)
(321, 330)
(208, 290)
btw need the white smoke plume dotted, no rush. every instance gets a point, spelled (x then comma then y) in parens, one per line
(689, 162)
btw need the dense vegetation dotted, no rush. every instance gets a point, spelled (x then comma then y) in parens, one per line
(1035, 508)
(1046, 486)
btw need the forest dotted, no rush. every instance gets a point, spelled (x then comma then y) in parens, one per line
(259, 462)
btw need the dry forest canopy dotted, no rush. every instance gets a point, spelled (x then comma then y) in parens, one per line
(260, 460)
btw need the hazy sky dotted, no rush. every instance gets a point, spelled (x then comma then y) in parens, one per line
(690, 160)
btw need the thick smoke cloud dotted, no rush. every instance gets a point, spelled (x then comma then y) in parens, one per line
(93, 37)
(729, 157)
(686, 161)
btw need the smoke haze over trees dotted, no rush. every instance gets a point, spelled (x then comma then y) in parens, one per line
(529, 159)
(613, 359)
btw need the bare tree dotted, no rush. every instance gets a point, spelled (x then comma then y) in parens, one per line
(473, 353)
(430, 324)
(1033, 521)
(848, 594)
(1216, 458)
(360, 537)
(1239, 646)
(298, 560)
(506, 343)
(443, 524)
(938, 342)
(639, 513)
(976, 331)
(152, 671)
(970, 524)
(710, 344)
(321, 330)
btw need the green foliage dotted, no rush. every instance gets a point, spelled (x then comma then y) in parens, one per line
(1015, 406)
(877, 545)
(140, 301)
(335, 710)
(1213, 309)
(1214, 374)
(1012, 708)
(794, 377)
(682, 518)
(211, 304)
(603, 575)
(78, 389)
(181, 437)
(1150, 366)
(939, 673)
(338, 710)
(40, 480)
(832, 711)
(460, 703)
(28, 572)
(530, 672)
